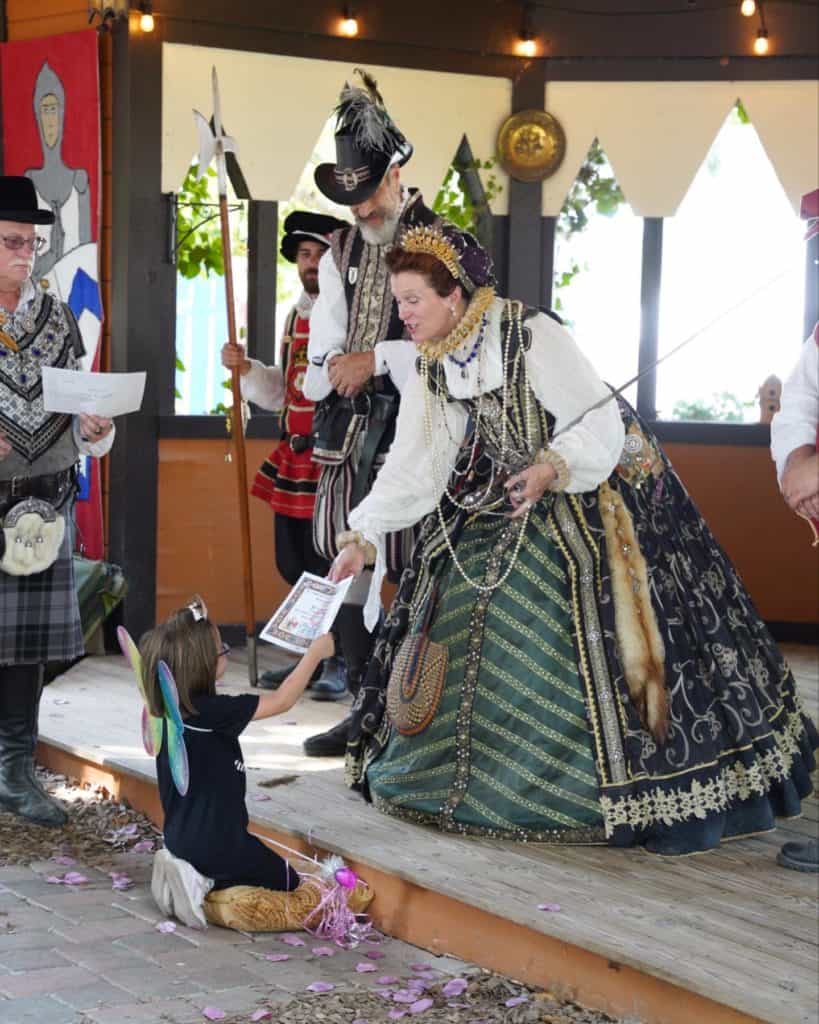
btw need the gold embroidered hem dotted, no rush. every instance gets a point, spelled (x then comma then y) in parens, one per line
(695, 799)
(437, 348)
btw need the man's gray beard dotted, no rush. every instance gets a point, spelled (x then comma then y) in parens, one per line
(382, 235)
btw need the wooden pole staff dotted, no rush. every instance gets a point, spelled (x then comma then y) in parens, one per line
(214, 144)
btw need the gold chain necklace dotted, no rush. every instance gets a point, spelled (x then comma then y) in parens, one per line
(436, 348)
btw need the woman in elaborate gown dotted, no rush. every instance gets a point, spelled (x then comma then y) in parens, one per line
(605, 676)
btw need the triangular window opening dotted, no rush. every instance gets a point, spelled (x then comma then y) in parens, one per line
(735, 241)
(201, 321)
(597, 269)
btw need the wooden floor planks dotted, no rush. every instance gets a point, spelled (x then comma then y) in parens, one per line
(730, 925)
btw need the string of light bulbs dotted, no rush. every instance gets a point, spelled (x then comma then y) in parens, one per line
(527, 44)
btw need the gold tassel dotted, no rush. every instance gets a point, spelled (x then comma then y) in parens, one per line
(642, 652)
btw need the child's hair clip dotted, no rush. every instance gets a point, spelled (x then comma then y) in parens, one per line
(198, 609)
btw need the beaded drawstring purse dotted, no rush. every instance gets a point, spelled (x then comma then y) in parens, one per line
(417, 678)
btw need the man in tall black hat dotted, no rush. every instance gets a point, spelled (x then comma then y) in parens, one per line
(287, 478)
(38, 455)
(357, 360)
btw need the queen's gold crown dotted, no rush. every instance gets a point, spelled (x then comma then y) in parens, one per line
(432, 241)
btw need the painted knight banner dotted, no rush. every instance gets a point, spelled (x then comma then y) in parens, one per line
(49, 90)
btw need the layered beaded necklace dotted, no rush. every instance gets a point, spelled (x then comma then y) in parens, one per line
(435, 352)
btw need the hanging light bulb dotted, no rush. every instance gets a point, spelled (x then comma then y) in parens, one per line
(748, 8)
(146, 20)
(526, 45)
(349, 22)
(761, 45)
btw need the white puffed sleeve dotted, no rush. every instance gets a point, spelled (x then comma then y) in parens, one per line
(412, 479)
(796, 423)
(263, 385)
(566, 384)
(328, 329)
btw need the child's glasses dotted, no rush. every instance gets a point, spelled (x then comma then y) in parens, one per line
(17, 242)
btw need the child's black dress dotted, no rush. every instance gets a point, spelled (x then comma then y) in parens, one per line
(208, 826)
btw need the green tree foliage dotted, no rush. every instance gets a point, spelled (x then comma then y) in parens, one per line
(198, 234)
(723, 407)
(595, 189)
(454, 202)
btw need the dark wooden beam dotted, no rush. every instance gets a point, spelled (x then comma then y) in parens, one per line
(526, 242)
(262, 246)
(143, 314)
(650, 315)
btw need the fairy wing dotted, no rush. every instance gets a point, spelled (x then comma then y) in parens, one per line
(177, 751)
(151, 725)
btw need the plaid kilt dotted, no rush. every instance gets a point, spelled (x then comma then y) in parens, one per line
(40, 614)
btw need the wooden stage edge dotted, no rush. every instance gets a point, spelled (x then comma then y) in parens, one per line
(443, 925)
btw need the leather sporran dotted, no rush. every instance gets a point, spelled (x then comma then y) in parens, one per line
(337, 425)
(417, 679)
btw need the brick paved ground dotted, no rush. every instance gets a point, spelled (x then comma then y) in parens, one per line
(90, 955)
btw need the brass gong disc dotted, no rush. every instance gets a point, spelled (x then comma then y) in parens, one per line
(531, 145)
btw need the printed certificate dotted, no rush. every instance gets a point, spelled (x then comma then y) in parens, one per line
(308, 611)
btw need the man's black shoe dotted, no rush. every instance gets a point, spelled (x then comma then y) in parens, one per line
(332, 743)
(800, 856)
(332, 683)
(273, 678)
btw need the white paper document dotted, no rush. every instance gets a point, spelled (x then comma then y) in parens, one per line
(99, 394)
(308, 611)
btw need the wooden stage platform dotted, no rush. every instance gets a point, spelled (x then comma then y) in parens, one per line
(724, 937)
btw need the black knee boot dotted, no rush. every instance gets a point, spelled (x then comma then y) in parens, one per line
(356, 644)
(20, 792)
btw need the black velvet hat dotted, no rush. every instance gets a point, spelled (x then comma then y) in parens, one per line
(367, 144)
(18, 202)
(303, 226)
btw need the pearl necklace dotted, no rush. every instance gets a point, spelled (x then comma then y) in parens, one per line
(513, 314)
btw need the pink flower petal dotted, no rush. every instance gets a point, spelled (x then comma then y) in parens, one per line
(387, 979)
(166, 927)
(374, 954)
(552, 907)
(516, 1000)
(323, 951)
(454, 987)
(365, 968)
(458, 1006)
(416, 984)
(292, 940)
(261, 1015)
(404, 995)
(53, 880)
(261, 797)
(144, 846)
(213, 1013)
(320, 986)
(74, 878)
(421, 1006)
(277, 958)
(420, 967)
(64, 859)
